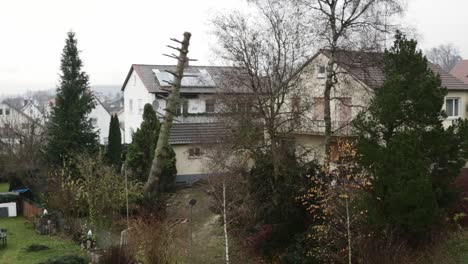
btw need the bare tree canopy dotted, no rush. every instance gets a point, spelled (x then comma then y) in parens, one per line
(347, 25)
(445, 55)
(270, 45)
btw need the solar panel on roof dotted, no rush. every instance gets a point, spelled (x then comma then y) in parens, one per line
(191, 79)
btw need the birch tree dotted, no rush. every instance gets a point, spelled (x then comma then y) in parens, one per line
(347, 25)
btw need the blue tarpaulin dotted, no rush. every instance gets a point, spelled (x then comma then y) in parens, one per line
(21, 190)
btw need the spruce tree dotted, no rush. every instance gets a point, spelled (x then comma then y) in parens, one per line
(402, 143)
(70, 130)
(114, 148)
(141, 151)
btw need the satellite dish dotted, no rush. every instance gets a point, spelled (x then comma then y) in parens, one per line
(155, 105)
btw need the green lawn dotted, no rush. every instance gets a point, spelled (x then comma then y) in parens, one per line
(457, 249)
(4, 186)
(21, 234)
(207, 231)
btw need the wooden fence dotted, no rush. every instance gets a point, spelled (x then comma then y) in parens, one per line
(30, 210)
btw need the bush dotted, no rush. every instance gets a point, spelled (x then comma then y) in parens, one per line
(118, 255)
(279, 212)
(70, 259)
(461, 209)
(8, 198)
(36, 247)
(153, 240)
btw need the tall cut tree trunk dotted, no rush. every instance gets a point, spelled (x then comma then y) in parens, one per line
(226, 241)
(327, 108)
(152, 184)
(348, 229)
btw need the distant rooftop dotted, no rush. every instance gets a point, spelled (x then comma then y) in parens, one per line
(368, 68)
(461, 71)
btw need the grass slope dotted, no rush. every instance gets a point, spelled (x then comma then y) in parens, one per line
(207, 232)
(456, 250)
(21, 234)
(4, 186)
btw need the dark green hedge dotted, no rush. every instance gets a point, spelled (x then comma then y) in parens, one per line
(8, 198)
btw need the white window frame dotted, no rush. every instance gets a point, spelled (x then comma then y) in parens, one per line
(94, 121)
(321, 72)
(453, 109)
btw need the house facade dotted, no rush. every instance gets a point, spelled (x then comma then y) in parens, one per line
(14, 123)
(195, 116)
(358, 75)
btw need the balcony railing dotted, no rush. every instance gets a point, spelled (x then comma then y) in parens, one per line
(317, 127)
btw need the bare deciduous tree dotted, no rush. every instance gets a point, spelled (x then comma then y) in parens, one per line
(269, 48)
(445, 55)
(21, 142)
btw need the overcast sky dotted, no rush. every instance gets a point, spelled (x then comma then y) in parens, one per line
(113, 34)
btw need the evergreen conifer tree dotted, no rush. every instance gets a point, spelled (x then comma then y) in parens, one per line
(141, 151)
(402, 143)
(70, 130)
(114, 148)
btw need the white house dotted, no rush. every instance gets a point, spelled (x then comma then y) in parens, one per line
(148, 84)
(32, 110)
(11, 116)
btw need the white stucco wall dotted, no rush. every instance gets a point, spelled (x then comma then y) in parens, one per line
(189, 165)
(14, 118)
(32, 111)
(102, 117)
(136, 92)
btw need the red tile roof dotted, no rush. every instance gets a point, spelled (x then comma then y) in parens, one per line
(461, 71)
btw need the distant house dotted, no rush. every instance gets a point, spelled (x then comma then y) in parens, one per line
(12, 116)
(148, 84)
(13, 122)
(32, 110)
(99, 118)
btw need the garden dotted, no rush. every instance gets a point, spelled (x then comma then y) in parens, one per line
(25, 246)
